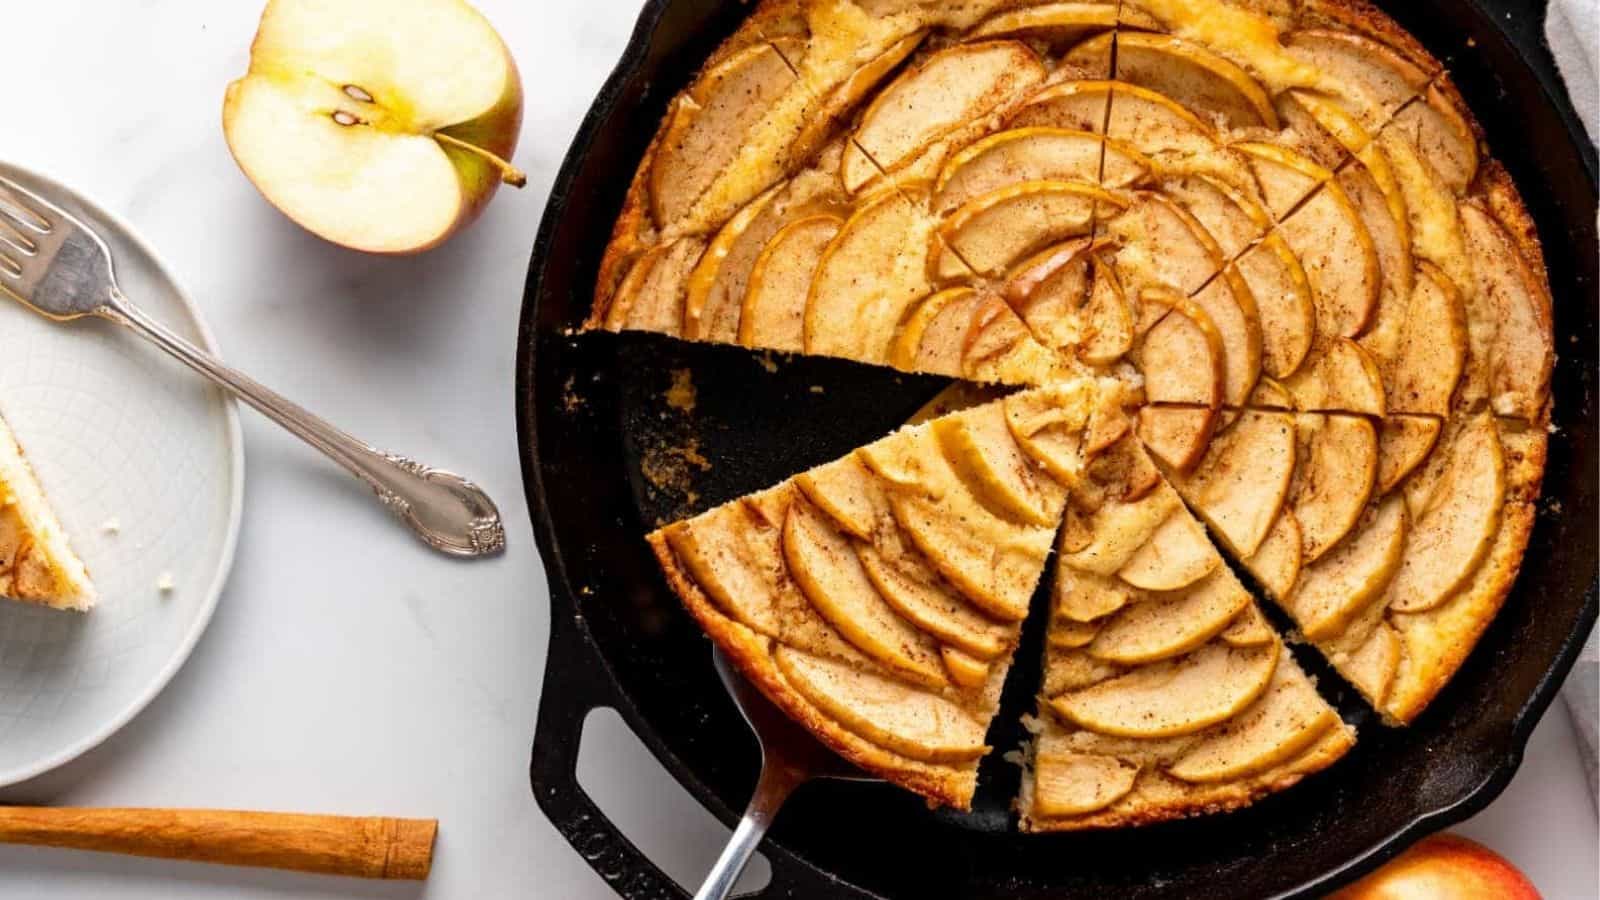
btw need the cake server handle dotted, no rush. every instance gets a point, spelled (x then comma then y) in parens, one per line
(773, 787)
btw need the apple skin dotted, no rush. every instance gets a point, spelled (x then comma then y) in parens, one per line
(495, 131)
(1443, 867)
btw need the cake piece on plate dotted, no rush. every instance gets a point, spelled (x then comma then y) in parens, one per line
(36, 564)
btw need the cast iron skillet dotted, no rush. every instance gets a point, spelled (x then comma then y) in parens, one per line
(599, 469)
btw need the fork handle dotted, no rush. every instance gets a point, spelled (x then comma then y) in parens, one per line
(773, 787)
(360, 846)
(450, 513)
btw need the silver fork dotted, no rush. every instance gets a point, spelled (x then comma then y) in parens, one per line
(790, 757)
(58, 267)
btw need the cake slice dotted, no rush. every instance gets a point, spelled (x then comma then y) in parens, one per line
(878, 599)
(1166, 694)
(36, 564)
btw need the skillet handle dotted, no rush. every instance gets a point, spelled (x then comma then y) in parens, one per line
(576, 683)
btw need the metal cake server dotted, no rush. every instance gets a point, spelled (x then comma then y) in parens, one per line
(790, 757)
(57, 266)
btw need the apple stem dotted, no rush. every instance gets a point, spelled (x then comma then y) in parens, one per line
(508, 173)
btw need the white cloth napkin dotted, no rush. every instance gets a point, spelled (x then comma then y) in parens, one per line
(1573, 30)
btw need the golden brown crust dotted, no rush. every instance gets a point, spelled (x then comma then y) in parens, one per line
(752, 654)
(1448, 634)
(1366, 19)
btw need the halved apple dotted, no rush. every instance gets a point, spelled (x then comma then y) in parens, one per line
(868, 277)
(1176, 555)
(1032, 154)
(1521, 355)
(1341, 376)
(1333, 590)
(1072, 784)
(1056, 24)
(1242, 481)
(1283, 301)
(898, 717)
(823, 563)
(370, 148)
(933, 607)
(1458, 526)
(944, 90)
(1372, 79)
(1277, 563)
(1289, 718)
(993, 231)
(773, 312)
(979, 447)
(1338, 464)
(1181, 357)
(1162, 627)
(1173, 697)
(1195, 77)
(1177, 435)
(1403, 443)
(1432, 353)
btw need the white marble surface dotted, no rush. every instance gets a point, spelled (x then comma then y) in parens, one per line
(349, 670)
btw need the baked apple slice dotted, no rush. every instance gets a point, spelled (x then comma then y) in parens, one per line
(1173, 697)
(1286, 721)
(1071, 784)
(772, 312)
(1034, 154)
(1521, 356)
(992, 232)
(943, 91)
(1456, 529)
(1163, 626)
(914, 723)
(1335, 589)
(1177, 435)
(1176, 555)
(1242, 481)
(1058, 25)
(1195, 77)
(1403, 443)
(1338, 465)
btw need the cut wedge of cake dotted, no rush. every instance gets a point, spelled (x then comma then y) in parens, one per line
(878, 599)
(1166, 694)
(36, 563)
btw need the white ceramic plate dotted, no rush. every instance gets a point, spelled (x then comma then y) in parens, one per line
(143, 462)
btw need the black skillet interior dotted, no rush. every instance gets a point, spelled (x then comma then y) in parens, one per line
(606, 456)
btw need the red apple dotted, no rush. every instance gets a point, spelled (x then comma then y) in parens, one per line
(1444, 867)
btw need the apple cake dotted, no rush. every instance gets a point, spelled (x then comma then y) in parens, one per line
(1273, 325)
(36, 563)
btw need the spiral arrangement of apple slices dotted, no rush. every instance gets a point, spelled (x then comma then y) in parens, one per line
(1266, 228)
